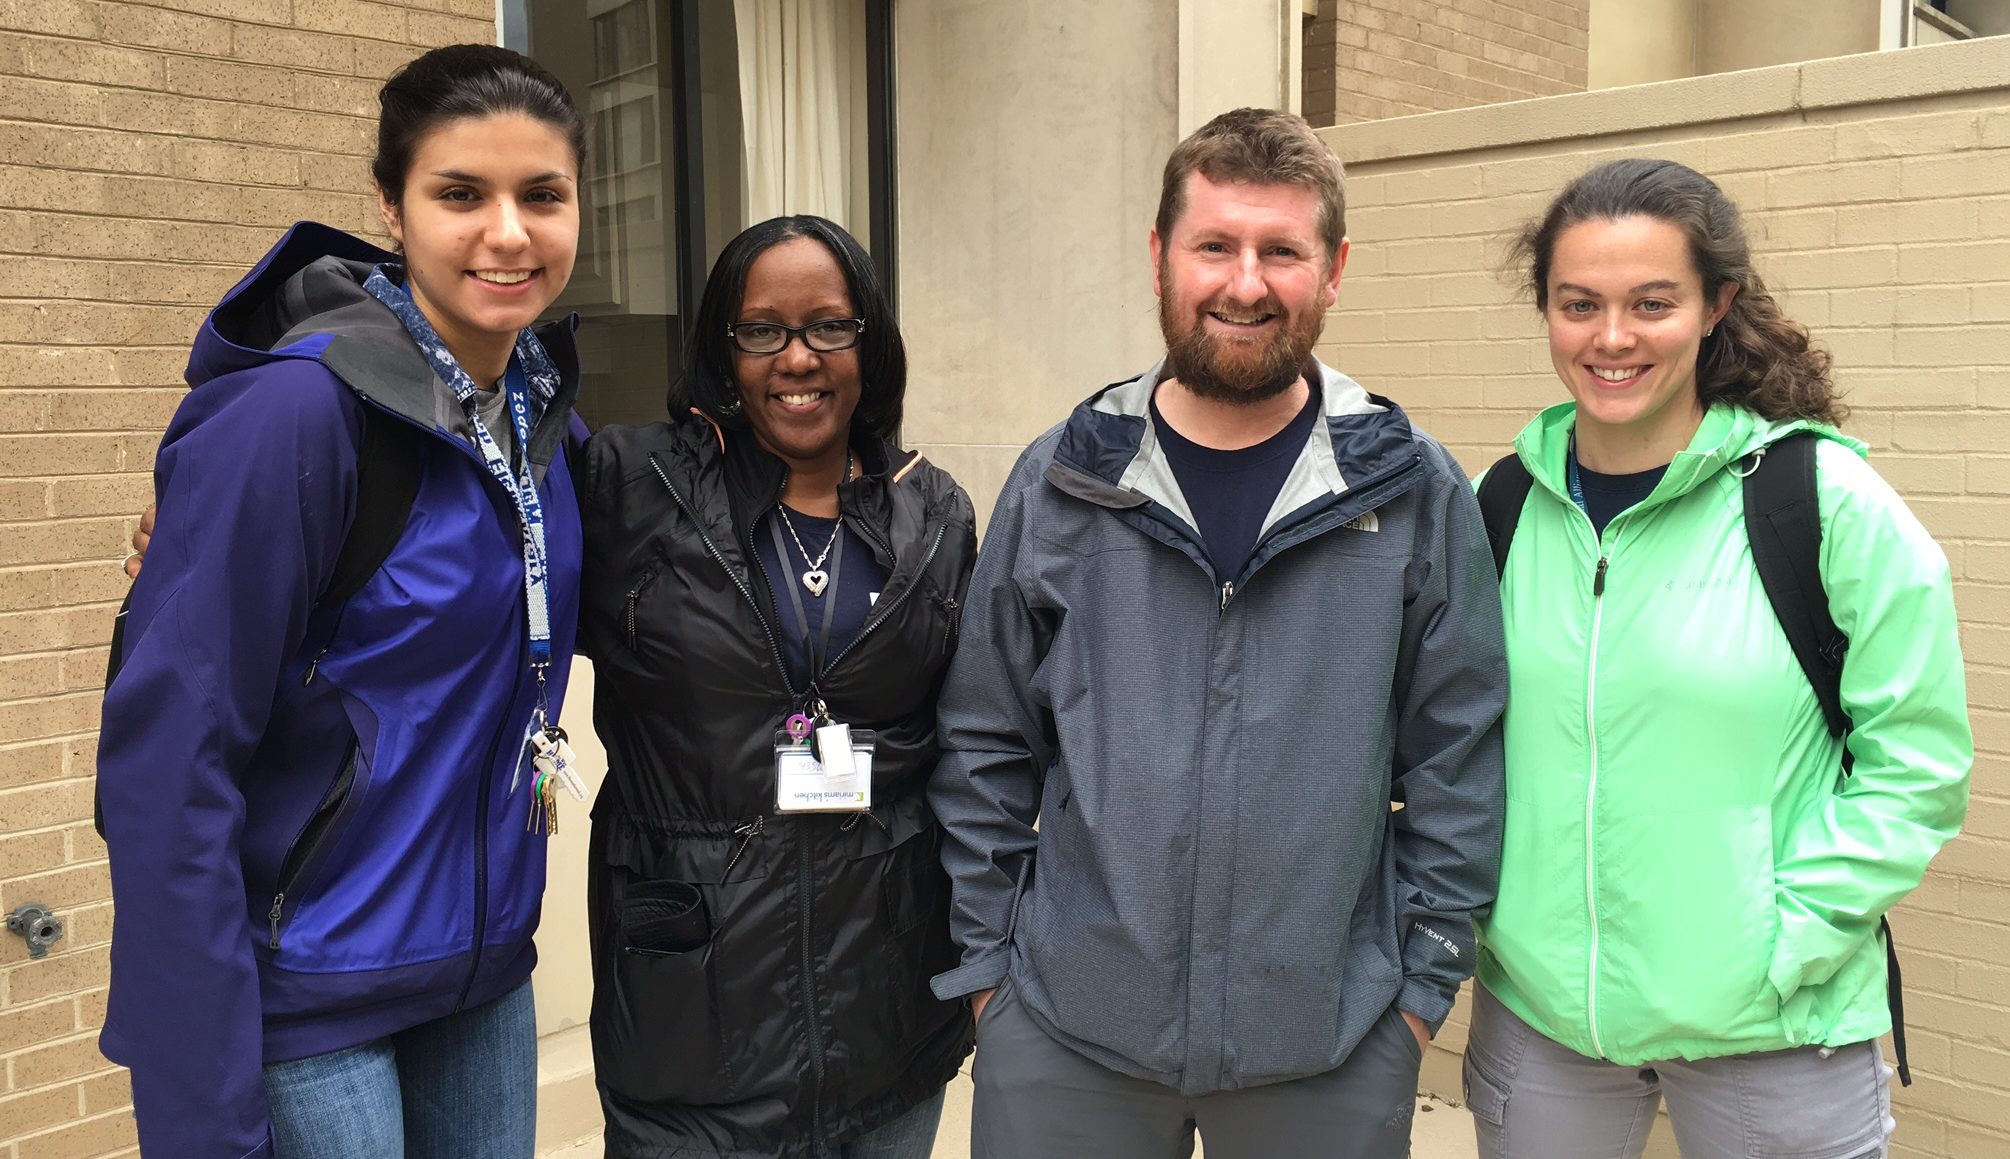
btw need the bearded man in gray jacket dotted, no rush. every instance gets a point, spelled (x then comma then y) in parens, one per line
(1234, 643)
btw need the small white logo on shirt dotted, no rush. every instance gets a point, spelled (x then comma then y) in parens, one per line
(1365, 521)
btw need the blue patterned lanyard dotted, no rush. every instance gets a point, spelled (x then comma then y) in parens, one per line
(539, 378)
(1572, 481)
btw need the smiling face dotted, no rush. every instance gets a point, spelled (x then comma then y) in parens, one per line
(798, 401)
(1627, 314)
(489, 224)
(1244, 283)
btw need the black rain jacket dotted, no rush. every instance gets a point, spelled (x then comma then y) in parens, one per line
(760, 981)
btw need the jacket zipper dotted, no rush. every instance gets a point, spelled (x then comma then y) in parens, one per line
(482, 779)
(1591, 790)
(635, 595)
(955, 613)
(1229, 588)
(314, 665)
(304, 843)
(746, 593)
(881, 616)
(746, 833)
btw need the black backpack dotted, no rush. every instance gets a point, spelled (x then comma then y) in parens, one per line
(387, 480)
(1783, 523)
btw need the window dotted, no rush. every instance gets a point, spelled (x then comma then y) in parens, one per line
(707, 116)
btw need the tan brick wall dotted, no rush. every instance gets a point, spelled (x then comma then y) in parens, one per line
(147, 155)
(1884, 226)
(1369, 59)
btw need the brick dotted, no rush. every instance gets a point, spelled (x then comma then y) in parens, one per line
(121, 495)
(1922, 474)
(295, 48)
(353, 18)
(84, 842)
(1769, 150)
(1828, 269)
(1834, 184)
(58, 102)
(1889, 305)
(30, 853)
(22, 677)
(84, 670)
(255, 11)
(22, 499)
(42, 630)
(432, 30)
(91, 1008)
(39, 1110)
(107, 1092)
(235, 164)
(71, 18)
(169, 113)
(57, 366)
(150, 27)
(91, 63)
(1979, 173)
(1907, 136)
(1965, 263)
(1905, 221)
(61, 890)
(350, 96)
(1451, 255)
(1797, 229)
(69, 1059)
(1959, 346)
(334, 132)
(93, 583)
(225, 80)
(114, 324)
(23, 187)
(1990, 476)
(28, 764)
(84, 1139)
(34, 719)
(1989, 303)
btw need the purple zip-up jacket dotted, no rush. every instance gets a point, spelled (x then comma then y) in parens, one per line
(317, 815)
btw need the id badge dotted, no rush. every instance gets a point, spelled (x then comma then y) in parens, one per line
(802, 785)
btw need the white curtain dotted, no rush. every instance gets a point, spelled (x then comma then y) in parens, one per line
(796, 95)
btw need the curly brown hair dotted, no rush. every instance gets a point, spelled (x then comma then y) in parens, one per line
(1757, 358)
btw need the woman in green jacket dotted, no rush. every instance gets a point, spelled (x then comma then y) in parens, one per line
(1694, 874)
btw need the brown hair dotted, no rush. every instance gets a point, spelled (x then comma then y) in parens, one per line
(1757, 358)
(1258, 147)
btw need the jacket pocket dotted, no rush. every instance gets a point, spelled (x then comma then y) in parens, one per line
(308, 852)
(914, 912)
(658, 1036)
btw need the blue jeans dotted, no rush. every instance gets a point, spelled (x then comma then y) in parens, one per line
(459, 1087)
(912, 1136)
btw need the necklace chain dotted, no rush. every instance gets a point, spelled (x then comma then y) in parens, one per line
(817, 564)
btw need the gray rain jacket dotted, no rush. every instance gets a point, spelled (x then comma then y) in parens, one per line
(1220, 893)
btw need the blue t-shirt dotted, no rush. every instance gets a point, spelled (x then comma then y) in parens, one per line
(1605, 496)
(1230, 492)
(856, 581)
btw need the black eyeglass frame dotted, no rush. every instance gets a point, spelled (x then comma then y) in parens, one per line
(791, 333)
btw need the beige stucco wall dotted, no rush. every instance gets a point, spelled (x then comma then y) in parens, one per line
(1032, 137)
(1741, 34)
(1878, 195)
(1637, 42)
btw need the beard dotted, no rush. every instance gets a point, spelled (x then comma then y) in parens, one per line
(1240, 373)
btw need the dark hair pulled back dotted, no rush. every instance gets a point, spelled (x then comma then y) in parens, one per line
(1757, 358)
(464, 80)
(707, 379)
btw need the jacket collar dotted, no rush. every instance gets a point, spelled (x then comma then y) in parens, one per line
(1109, 452)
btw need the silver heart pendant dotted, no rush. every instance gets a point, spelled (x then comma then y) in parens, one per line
(816, 579)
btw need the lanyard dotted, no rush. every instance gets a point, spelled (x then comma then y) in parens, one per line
(815, 650)
(1572, 481)
(530, 373)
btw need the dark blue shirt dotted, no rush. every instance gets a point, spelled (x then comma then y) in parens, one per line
(1230, 492)
(855, 585)
(1605, 496)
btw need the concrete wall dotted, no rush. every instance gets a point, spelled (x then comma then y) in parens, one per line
(1024, 277)
(1637, 42)
(1389, 58)
(1875, 187)
(1742, 34)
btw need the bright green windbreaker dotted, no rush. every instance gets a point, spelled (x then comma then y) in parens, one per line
(1686, 872)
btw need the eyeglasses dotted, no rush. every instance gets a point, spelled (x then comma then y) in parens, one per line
(825, 337)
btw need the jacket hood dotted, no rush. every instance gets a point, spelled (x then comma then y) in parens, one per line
(1109, 454)
(1727, 434)
(305, 300)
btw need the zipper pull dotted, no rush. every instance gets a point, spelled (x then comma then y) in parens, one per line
(746, 833)
(312, 666)
(1598, 579)
(278, 904)
(1227, 594)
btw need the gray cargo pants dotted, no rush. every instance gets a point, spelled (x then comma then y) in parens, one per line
(1037, 1099)
(1532, 1098)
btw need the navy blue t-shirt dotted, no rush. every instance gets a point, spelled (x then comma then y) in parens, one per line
(1230, 492)
(1605, 496)
(856, 583)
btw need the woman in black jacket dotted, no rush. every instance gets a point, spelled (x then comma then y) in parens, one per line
(769, 566)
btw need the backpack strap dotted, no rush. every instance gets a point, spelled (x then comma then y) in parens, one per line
(1783, 520)
(1502, 493)
(387, 481)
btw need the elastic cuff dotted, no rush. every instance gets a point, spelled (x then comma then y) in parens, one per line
(1425, 998)
(971, 977)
